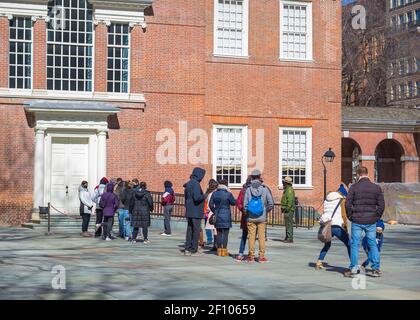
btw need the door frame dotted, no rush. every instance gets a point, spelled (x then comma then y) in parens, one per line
(92, 157)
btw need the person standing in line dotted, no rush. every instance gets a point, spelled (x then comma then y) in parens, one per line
(86, 206)
(244, 220)
(98, 192)
(126, 196)
(194, 211)
(220, 204)
(365, 205)
(136, 184)
(168, 200)
(257, 203)
(109, 203)
(140, 208)
(333, 213)
(118, 190)
(288, 207)
(211, 232)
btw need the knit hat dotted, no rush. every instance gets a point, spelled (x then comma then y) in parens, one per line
(256, 172)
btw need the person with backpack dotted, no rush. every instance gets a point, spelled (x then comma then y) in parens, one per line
(109, 203)
(258, 201)
(86, 206)
(244, 219)
(211, 232)
(98, 192)
(168, 200)
(194, 210)
(288, 207)
(333, 213)
(220, 204)
(140, 208)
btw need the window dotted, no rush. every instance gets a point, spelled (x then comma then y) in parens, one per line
(69, 45)
(295, 30)
(230, 154)
(393, 4)
(296, 155)
(410, 89)
(118, 58)
(402, 91)
(20, 53)
(392, 93)
(418, 88)
(231, 27)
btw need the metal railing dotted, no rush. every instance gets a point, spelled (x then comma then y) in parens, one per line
(305, 216)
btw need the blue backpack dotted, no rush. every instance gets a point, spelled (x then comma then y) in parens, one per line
(255, 206)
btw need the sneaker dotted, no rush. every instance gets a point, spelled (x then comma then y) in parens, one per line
(186, 253)
(127, 238)
(319, 265)
(239, 258)
(112, 237)
(262, 260)
(376, 273)
(250, 260)
(165, 234)
(133, 241)
(196, 254)
(288, 241)
(108, 239)
(351, 273)
(146, 241)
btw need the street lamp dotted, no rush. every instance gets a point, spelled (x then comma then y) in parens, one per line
(328, 157)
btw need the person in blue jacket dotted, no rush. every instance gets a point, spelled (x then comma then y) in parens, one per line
(220, 204)
(380, 227)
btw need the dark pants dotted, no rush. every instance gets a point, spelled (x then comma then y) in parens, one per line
(167, 211)
(107, 225)
(341, 234)
(85, 221)
(222, 238)
(193, 234)
(99, 220)
(145, 232)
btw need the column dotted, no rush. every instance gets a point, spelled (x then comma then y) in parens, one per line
(38, 195)
(101, 154)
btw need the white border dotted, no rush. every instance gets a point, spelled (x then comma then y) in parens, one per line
(245, 32)
(244, 166)
(309, 33)
(308, 130)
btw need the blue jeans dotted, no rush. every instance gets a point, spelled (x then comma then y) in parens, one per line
(342, 235)
(121, 214)
(209, 233)
(356, 237)
(243, 242)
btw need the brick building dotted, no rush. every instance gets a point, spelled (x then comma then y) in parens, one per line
(92, 88)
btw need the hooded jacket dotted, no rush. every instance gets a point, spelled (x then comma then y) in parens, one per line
(99, 191)
(140, 208)
(257, 188)
(86, 202)
(109, 201)
(194, 197)
(365, 202)
(220, 204)
(333, 198)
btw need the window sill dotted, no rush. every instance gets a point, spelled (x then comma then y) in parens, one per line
(227, 56)
(296, 60)
(297, 187)
(64, 95)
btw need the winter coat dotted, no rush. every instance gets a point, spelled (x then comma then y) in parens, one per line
(194, 197)
(288, 204)
(98, 192)
(333, 198)
(208, 213)
(220, 204)
(168, 197)
(86, 202)
(365, 202)
(257, 188)
(109, 201)
(140, 208)
(126, 197)
(240, 206)
(119, 189)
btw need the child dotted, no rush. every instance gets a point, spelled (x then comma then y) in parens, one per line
(380, 227)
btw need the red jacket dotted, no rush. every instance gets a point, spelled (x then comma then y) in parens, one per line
(240, 206)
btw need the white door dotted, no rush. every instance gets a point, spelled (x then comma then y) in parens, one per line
(69, 167)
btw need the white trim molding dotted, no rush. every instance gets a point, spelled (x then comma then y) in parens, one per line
(409, 159)
(367, 158)
(36, 9)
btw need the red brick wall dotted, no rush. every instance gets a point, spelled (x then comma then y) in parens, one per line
(40, 55)
(4, 51)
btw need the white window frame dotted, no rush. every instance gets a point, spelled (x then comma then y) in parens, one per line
(245, 33)
(309, 32)
(308, 184)
(244, 165)
(32, 58)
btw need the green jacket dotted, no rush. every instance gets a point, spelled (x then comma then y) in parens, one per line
(288, 200)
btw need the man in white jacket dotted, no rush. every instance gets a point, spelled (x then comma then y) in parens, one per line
(86, 206)
(333, 213)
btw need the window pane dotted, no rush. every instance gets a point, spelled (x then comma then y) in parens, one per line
(118, 53)
(294, 155)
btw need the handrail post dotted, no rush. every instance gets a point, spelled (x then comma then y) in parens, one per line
(49, 219)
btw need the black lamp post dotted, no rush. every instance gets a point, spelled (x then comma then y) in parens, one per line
(328, 157)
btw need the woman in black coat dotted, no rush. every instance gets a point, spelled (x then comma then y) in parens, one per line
(140, 208)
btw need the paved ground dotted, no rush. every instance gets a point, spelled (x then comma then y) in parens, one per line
(117, 270)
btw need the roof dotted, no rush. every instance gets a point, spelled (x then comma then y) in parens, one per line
(53, 105)
(401, 119)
